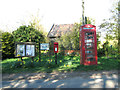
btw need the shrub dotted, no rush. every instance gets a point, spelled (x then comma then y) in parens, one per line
(29, 64)
(7, 45)
(17, 64)
(100, 52)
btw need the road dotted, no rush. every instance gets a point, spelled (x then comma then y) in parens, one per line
(93, 81)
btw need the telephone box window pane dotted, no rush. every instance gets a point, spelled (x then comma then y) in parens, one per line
(89, 33)
(88, 51)
(90, 59)
(89, 55)
(89, 45)
(89, 37)
(88, 41)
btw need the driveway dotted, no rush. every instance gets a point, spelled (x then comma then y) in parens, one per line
(95, 79)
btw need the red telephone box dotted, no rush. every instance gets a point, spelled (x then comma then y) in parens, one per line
(88, 45)
(55, 47)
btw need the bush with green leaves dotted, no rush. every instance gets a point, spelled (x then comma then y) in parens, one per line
(30, 64)
(28, 34)
(17, 64)
(7, 45)
(100, 52)
(70, 40)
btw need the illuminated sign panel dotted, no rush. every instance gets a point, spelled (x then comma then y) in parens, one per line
(88, 28)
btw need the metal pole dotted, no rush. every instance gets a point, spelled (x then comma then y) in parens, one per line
(85, 20)
(55, 58)
(32, 59)
(49, 51)
(83, 12)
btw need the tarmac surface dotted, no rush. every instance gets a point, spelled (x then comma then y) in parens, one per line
(102, 79)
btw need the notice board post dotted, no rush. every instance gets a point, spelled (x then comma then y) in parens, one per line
(39, 53)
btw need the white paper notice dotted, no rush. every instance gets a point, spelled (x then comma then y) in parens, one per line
(30, 50)
(55, 49)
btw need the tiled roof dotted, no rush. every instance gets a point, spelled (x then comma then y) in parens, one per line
(58, 30)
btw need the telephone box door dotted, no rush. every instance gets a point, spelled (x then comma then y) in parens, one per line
(89, 44)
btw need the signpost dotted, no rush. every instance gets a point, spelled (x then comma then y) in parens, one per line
(43, 46)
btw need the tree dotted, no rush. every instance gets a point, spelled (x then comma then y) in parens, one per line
(70, 40)
(35, 23)
(119, 29)
(7, 45)
(111, 25)
(75, 36)
(28, 34)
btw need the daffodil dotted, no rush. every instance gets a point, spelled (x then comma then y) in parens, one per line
(37, 61)
(18, 55)
(23, 62)
(18, 59)
(67, 65)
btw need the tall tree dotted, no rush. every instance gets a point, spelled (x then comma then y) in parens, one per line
(35, 22)
(70, 40)
(111, 25)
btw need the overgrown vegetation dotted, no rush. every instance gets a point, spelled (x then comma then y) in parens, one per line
(107, 53)
(47, 64)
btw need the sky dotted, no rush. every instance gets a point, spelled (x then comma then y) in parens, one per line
(14, 13)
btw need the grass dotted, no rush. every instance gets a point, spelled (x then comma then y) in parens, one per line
(65, 63)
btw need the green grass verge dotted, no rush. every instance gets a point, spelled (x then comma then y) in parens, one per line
(65, 63)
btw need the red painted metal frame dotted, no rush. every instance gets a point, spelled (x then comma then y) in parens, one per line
(55, 46)
(83, 30)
